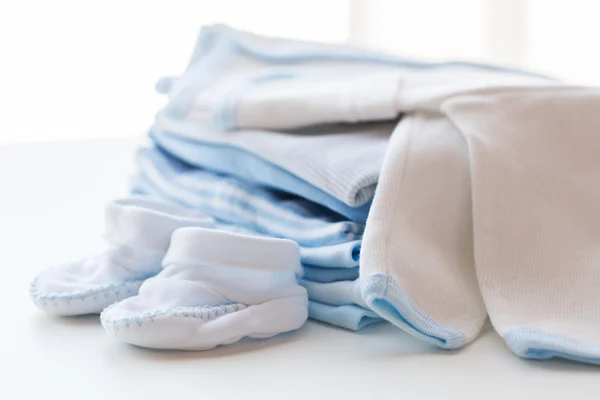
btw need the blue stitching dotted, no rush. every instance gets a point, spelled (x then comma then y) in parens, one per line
(82, 295)
(207, 312)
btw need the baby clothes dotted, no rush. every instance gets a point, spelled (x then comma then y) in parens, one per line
(335, 165)
(306, 100)
(248, 206)
(185, 185)
(239, 80)
(342, 255)
(417, 268)
(444, 211)
(339, 303)
(337, 293)
(486, 202)
(215, 288)
(327, 275)
(488, 206)
(138, 232)
(349, 316)
(535, 176)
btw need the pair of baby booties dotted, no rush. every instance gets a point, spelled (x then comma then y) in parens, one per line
(169, 280)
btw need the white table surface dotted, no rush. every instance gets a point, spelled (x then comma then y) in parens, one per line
(51, 203)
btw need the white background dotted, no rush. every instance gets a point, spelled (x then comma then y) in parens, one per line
(82, 70)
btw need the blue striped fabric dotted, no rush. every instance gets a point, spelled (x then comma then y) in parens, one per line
(258, 209)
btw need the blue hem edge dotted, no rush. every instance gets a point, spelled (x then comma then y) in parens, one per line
(384, 297)
(536, 344)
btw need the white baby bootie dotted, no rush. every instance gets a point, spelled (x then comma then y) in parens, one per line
(138, 232)
(216, 288)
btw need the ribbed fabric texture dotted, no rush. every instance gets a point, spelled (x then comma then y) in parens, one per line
(344, 161)
(417, 259)
(535, 169)
(487, 195)
(240, 81)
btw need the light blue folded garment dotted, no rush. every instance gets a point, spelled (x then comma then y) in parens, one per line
(337, 293)
(327, 275)
(327, 257)
(264, 211)
(342, 255)
(245, 165)
(335, 262)
(350, 317)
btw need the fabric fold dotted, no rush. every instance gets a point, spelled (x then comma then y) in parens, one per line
(417, 268)
(535, 175)
(340, 83)
(230, 200)
(337, 168)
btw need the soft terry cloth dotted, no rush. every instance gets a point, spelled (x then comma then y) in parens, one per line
(138, 231)
(216, 287)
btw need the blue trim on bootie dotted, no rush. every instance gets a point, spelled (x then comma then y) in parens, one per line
(83, 295)
(207, 313)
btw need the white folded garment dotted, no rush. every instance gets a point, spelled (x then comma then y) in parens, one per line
(535, 172)
(521, 165)
(416, 267)
(237, 80)
(301, 101)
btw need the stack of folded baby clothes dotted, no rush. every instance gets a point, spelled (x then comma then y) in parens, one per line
(279, 137)
(354, 187)
(312, 185)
